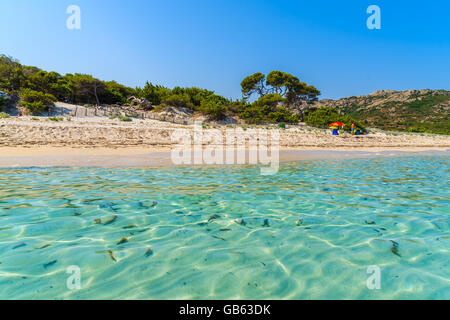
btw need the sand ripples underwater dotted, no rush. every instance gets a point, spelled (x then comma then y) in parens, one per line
(308, 232)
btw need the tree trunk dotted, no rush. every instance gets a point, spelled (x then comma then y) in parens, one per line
(96, 96)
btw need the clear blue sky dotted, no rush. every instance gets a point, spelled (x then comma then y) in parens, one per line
(215, 43)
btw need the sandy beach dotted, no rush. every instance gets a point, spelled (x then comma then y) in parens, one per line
(100, 141)
(100, 132)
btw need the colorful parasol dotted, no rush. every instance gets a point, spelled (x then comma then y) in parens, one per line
(337, 124)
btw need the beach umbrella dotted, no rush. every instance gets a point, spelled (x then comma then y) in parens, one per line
(337, 124)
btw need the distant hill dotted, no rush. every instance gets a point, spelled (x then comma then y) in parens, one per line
(412, 110)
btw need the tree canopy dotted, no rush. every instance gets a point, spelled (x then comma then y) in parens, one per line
(278, 93)
(285, 84)
(74, 88)
(253, 84)
(39, 89)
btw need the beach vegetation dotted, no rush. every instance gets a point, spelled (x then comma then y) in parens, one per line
(195, 99)
(269, 108)
(36, 102)
(253, 84)
(116, 93)
(121, 118)
(11, 74)
(278, 82)
(125, 119)
(39, 89)
(178, 100)
(323, 117)
(72, 88)
(55, 119)
(159, 108)
(214, 107)
(4, 115)
(2, 103)
(279, 94)
(255, 114)
(153, 93)
(279, 97)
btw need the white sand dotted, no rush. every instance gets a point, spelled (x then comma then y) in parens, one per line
(101, 141)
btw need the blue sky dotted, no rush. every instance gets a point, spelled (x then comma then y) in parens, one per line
(214, 44)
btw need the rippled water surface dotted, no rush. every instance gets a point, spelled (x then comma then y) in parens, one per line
(308, 232)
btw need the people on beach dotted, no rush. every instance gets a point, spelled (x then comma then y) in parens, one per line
(353, 129)
(335, 127)
(335, 131)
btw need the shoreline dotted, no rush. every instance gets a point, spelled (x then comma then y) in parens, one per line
(160, 156)
(21, 151)
(104, 142)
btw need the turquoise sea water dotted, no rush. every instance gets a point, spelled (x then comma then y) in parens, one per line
(308, 232)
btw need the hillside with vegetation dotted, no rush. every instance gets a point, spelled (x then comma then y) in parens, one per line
(411, 111)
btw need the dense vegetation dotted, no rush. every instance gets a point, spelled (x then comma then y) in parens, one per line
(278, 97)
(281, 83)
(2, 103)
(39, 89)
(323, 117)
(278, 94)
(36, 101)
(194, 99)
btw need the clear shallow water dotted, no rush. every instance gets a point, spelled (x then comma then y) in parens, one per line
(309, 232)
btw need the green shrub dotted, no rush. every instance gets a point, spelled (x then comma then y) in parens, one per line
(267, 109)
(283, 115)
(253, 114)
(34, 107)
(178, 101)
(215, 109)
(256, 114)
(125, 119)
(35, 101)
(55, 119)
(417, 129)
(323, 117)
(121, 118)
(272, 100)
(195, 99)
(153, 93)
(2, 103)
(160, 108)
(237, 107)
(4, 115)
